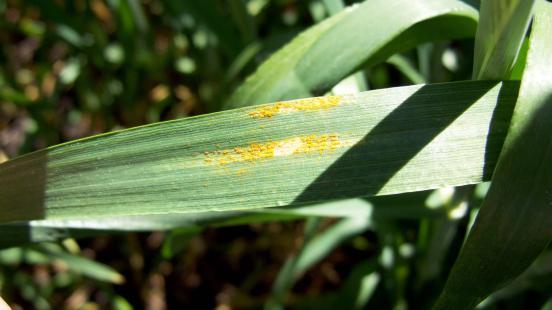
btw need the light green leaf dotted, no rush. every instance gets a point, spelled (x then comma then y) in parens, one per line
(360, 35)
(313, 251)
(502, 27)
(81, 264)
(119, 303)
(388, 207)
(333, 6)
(321, 245)
(514, 224)
(519, 66)
(291, 153)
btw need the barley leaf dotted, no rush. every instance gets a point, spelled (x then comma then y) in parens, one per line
(288, 153)
(360, 35)
(514, 224)
(500, 33)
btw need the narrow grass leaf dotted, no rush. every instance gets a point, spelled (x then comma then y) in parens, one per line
(326, 53)
(333, 6)
(321, 245)
(313, 251)
(514, 224)
(83, 265)
(387, 207)
(405, 66)
(500, 33)
(287, 153)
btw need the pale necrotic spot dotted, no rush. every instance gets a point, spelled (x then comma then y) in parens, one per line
(288, 147)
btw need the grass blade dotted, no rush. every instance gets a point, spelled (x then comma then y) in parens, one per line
(500, 33)
(360, 35)
(281, 154)
(404, 65)
(333, 6)
(514, 224)
(81, 264)
(313, 251)
(53, 230)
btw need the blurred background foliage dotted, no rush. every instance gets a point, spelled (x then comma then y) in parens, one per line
(71, 69)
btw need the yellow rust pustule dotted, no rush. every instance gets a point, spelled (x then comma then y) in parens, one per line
(308, 104)
(310, 144)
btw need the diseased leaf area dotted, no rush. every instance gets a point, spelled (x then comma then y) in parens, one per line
(253, 154)
(297, 156)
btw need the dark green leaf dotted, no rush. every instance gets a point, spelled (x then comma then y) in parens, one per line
(514, 224)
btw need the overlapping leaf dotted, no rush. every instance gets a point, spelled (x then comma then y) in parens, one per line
(499, 37)
(361, 35)
(515, 222)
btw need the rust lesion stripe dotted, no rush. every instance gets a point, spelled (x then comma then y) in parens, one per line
(306, 145)
(308, 104)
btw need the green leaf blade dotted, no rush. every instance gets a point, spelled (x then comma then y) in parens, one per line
(499, 36)
(514, 224)
(81, 264)
(303, 153)
(360, 35)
